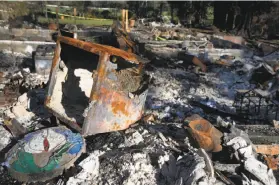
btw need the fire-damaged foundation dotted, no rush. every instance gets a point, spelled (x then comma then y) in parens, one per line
(96, 88)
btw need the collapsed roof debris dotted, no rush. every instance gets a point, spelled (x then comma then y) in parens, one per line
(154, 119)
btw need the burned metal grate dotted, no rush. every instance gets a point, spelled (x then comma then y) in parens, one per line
(256, 105)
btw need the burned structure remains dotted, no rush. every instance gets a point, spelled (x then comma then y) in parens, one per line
(137, 102)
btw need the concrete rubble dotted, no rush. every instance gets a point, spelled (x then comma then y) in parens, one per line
(159, 148)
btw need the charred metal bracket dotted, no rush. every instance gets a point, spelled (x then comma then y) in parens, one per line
(110, 105)
(256, 106)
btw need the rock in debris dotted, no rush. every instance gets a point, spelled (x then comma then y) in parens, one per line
(5, 137)
(23, 119)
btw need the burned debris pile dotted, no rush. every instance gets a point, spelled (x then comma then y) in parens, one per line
(170, 105)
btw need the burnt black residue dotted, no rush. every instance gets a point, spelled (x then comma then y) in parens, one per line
(130, 77)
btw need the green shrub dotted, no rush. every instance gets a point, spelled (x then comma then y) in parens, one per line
(106, 14)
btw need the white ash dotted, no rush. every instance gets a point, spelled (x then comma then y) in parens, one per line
(140, 156)
(29, 110)
(8, 113)
(23, 100)
(262, 174)
(17, 54)
(10, 61)
(230, 168)
(167, 91)
(175, 87)
(33, 80)
(134, 139)
(86, 81)
(90, 170)
(254, 171)
(67, 98)
(5, 137)
(22, 115)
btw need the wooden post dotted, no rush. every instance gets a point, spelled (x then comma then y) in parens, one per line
(75, 13)
(126, 20)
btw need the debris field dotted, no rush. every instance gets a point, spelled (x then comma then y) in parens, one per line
(87, 113)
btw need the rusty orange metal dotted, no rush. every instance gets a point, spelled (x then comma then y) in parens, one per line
(272, 162)
(149, 118)
(97, 48)
(109, 106)
(208, 137)
(267, 149)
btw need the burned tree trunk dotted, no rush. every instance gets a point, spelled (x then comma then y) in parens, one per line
(230, 19)
(172, 12)
(245, 19)
(220, 14)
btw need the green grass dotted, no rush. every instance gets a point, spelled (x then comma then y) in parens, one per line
(61, 9)
(92, 22)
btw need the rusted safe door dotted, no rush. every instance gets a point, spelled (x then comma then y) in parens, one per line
(95, 88)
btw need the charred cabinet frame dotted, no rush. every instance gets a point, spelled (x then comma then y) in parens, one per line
(109, 109)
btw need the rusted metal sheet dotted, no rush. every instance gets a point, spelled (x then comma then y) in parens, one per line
(149, 118)
(272, 162)
(115, 94)
(208, 137)
(267, 149)
(97, 48)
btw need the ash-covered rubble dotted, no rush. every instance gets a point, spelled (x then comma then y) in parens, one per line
(173, 89)
(22, 94)
(218, 88)
(158, 149)
(145, 154)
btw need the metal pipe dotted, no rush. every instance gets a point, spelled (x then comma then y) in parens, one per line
(97, 48)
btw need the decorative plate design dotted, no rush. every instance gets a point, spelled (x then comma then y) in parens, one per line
(44, 154)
